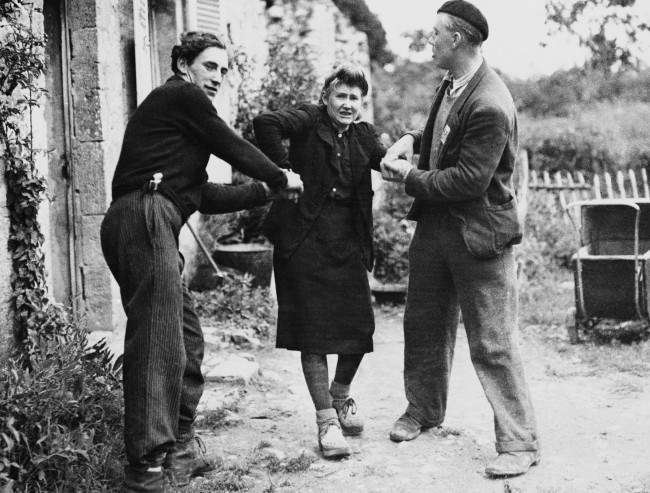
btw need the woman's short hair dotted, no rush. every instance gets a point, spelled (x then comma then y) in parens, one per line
(350, 75)
(192, 43)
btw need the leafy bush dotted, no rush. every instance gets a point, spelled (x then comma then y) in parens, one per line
(61, 420)
(601, 137)
(559, 93)
(549, 240)
(392, 235)
(237, 305)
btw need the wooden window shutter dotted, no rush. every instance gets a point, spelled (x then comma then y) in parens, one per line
(208, 16)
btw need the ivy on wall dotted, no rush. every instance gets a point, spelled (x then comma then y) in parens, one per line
(36, 318)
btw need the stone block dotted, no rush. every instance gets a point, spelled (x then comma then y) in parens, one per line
(91, 254)
(89, 177)
(224, 367)
(84, 56)
(97, 302)
(82, 14)
(215, 398)
(86, 114)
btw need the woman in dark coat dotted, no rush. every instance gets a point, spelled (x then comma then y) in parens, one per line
(323, 244)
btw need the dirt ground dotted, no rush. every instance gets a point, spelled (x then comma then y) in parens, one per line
(594, 428)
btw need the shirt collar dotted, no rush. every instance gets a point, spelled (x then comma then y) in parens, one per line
(458, 84)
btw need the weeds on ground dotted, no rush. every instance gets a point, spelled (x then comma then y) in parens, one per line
(291, 465)
(238, 305)
(240, 475)
(217, 418)
(61, 421)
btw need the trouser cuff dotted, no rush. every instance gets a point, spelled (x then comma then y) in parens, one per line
(517, 446)
(418, 415)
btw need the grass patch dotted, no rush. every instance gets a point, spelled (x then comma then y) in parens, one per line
(291, 465)
(242, 475)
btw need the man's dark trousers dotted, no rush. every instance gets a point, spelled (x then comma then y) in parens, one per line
(163, 346)
(444, 277)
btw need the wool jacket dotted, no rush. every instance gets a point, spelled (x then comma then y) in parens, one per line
(472, 178)
(174, 131)
(311, 154)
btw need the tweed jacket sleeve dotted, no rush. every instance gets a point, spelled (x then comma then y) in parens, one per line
(271, 128)
(480, 149)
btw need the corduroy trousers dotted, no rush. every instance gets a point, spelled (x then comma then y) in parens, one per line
(444, 278)
(163, 345)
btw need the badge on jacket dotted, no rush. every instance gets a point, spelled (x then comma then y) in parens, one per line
(445, 134)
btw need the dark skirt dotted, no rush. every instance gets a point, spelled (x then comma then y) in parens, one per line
(323, 294)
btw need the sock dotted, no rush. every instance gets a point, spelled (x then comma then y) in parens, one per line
(314, 367)
(339, 390)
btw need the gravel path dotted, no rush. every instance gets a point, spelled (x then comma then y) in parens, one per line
(594, 428)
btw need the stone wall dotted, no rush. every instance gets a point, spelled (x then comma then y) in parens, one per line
(99, 107)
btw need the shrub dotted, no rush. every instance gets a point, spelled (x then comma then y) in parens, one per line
(549, 240)
(238, 305)
(392, 235)
(61, 420)
(593, 139)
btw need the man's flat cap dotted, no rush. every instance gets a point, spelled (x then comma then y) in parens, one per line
(468, 12)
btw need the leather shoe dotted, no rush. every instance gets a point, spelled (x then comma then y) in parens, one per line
(512, 464)
(143, 480)
(186, 460)
(405, 428)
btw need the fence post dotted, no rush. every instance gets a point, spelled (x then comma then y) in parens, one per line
(597, 187)
(608, 185)
(633, 185)
(584, 194)
(644, 179)
(522, 186)
(620, 181)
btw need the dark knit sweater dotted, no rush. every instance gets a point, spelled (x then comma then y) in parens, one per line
(174, 131)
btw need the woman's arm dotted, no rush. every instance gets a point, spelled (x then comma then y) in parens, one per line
(271, 128)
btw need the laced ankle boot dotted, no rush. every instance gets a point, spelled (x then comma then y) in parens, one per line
(187, 459)
(330, 439)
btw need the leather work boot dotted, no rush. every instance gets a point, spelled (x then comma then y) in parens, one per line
(349, 419)
(187, 459)
(512, 464)
(330, 439)
(143, 480)
(405, 428)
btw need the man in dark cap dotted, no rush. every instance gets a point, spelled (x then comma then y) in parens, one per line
(461, 256)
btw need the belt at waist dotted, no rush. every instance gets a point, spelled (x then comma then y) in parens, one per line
(162, 188)
(340, 201)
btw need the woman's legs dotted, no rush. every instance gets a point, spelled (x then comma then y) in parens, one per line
(346, 408)
(346, 368)
(314, 367)
(330, 439)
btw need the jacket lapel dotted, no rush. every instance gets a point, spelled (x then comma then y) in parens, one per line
(458, 106)
(427, 134)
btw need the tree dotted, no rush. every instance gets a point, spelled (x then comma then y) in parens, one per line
(607, 29)
(364, 20)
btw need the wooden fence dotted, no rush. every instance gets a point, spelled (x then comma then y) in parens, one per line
(571, 187)
(621, 185)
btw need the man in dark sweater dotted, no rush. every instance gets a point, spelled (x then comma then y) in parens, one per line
(159, 181)
(461, 256)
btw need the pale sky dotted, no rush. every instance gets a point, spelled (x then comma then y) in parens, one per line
(516, 29)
